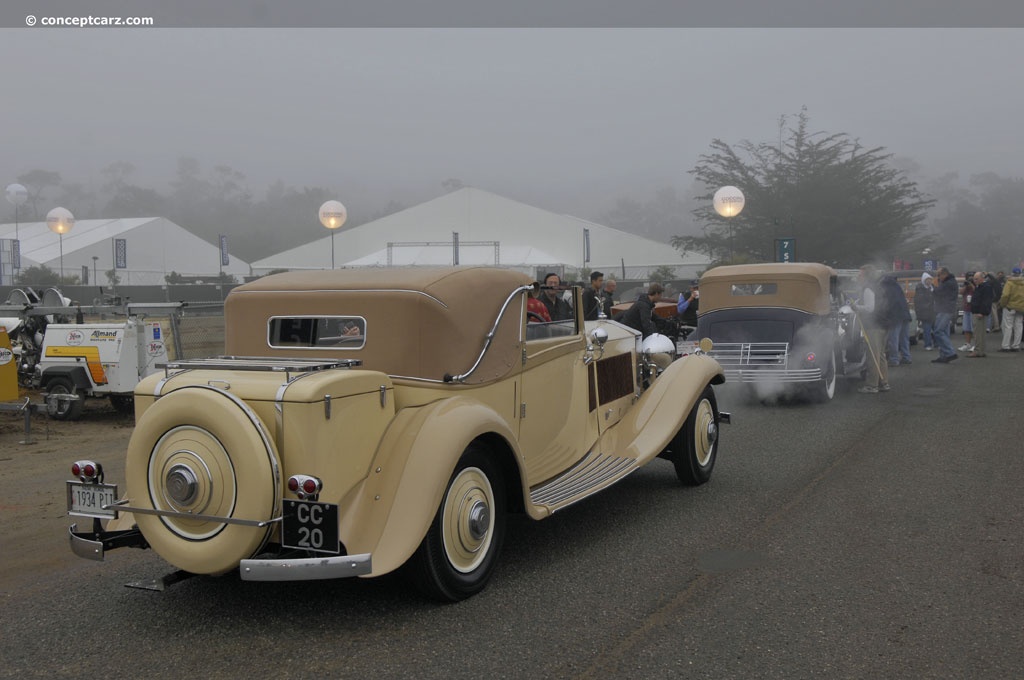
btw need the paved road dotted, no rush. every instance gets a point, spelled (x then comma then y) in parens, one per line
(877, 536)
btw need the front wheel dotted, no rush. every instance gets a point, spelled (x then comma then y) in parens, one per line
(695, 446)
(825, 389)
(460, 551)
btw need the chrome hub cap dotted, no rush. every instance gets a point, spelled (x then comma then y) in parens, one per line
(479, 520)
(712, 433)
(182, 484)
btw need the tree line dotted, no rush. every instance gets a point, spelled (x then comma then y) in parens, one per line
(842, 202)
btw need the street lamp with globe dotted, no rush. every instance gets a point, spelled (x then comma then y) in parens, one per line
(728, 202)
(333, 216)
(60, 221)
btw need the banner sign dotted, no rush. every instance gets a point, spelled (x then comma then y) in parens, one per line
(120, 253)
(225, 260)
(586, 246)
(16, 253)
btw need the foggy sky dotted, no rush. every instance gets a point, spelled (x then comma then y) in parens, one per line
(568, 119)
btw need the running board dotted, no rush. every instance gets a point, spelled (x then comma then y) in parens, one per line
(595, 472)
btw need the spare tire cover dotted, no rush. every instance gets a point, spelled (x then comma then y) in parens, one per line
(202, 450)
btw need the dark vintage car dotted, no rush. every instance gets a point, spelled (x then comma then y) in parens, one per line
(782, 327)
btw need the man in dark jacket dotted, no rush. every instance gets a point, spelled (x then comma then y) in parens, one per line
(981, 308)
(945, 295)
(640, 316)
(897, 320)
(592, 301)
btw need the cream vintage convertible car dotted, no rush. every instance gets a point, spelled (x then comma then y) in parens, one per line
(364, 421)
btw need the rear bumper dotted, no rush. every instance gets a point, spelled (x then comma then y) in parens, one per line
(306, 568)
(93, 545)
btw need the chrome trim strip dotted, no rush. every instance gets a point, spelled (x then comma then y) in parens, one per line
(417, 379)
(306, 568)
(490, 335)
(123, 505)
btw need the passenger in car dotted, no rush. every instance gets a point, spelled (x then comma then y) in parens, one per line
(536, 312)
(558, 309)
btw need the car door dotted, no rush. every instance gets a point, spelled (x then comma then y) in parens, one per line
(557, 424)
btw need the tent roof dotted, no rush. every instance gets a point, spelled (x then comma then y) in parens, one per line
(527, 235)
(39, 244)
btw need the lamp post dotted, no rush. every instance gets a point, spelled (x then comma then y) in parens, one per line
(728, 202)
(60, 221)
(16, 196)
(332, 216)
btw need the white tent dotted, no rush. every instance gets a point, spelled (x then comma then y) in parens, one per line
(153, 248)
(491, 230)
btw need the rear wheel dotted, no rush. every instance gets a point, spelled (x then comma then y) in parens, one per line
(461, 548)
(201, 451)
(695, 446)
(68, 401)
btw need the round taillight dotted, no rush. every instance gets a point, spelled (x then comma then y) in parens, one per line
(309, 486)
(76, 469)
(293, 484)
(89, 470)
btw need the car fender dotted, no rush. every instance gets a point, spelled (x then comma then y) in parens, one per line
(76, 374)
(646, 430)
(389, 514)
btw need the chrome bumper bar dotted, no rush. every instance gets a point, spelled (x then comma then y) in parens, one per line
(92, 545)
(769, 375)
(306, 568)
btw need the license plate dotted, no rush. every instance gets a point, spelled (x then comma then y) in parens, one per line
(87, 500)
(309, 525)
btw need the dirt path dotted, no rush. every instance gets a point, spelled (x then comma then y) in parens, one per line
(32, 490)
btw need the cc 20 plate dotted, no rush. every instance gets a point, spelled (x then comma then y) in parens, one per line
(310, 525)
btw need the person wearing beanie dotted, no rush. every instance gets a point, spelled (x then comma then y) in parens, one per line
(924, 308)
(1012, 302)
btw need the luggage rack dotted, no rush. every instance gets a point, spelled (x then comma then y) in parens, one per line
(272, 364)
